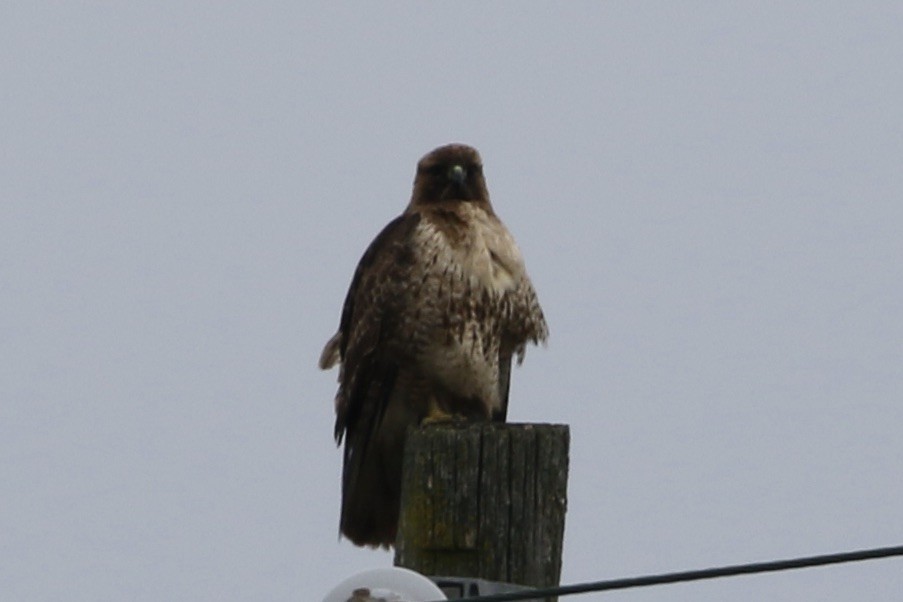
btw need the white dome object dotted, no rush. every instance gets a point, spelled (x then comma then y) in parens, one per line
(390, 585)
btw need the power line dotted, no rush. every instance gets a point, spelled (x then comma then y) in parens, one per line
(694, 575)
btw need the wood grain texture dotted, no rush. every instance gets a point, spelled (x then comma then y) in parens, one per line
(485, 500)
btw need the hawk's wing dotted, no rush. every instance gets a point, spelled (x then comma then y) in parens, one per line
(376, 301)
(529, 326)
(373, 383)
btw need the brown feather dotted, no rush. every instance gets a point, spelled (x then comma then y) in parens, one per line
(437, 308)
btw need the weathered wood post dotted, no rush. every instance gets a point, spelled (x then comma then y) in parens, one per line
(485, 501)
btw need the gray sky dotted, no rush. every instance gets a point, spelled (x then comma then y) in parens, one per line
(708, 196)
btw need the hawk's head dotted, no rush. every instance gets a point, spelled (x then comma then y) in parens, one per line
(453, 172)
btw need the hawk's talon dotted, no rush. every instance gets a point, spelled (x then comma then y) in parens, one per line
(440, 417)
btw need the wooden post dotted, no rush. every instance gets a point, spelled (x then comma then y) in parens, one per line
(484, 500)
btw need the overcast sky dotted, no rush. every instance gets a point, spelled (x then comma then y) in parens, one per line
(709, 197)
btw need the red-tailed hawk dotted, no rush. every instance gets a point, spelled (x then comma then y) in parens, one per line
(438, 306)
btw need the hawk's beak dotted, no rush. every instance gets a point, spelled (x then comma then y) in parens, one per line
(457, 174)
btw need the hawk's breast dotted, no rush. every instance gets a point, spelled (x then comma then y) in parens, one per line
(488, 252)
(471, 264)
